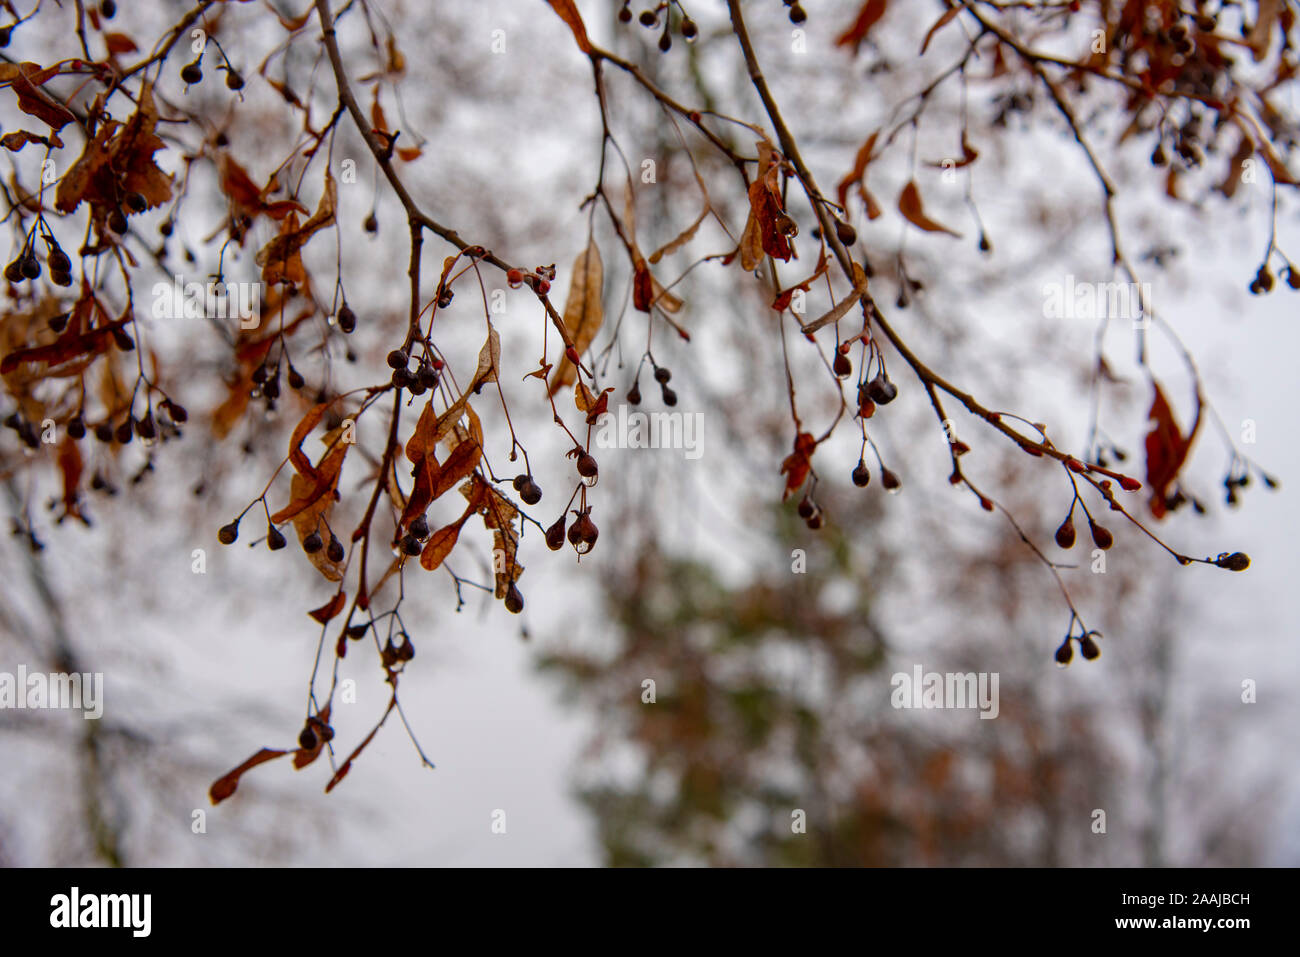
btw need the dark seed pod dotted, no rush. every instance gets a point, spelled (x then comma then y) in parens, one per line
(60, 278)
(136, 202)
(275, 539)
(531, 493)
(397, 359)
(14, 272)
(514, 600)
(420, 527)
(1101, 537)
(356, 632)
(842, 366)
(145, 427)
(347, 318)
(307, 739)
(108, 9)
(234, 81)
(31, 268)
(371, 223)
(1235, 562)
(125, 431)
(662, 374)
(104, 432)
(814, 521)
(122, 339)
(296, 381)
(889, 480)
(555, 535)
(335, 550)
(881, 390)
(585, 532)
(634, 393)
(58, 260)
(587, 467)
(177, 412)
(806, 508)
(1065, 534)
(117, 221)
(1088, 648)
(1065, 653)
(426, 376)
(669, 396)
(76, 427)
(410, 545)
(624, 15)
(689, 30)
(648, 18)
(797, 14)
(406, 651)
(519, 480)
(312, 543)
(861, 475)
(192, 73)
(227, 534)
(846, 233)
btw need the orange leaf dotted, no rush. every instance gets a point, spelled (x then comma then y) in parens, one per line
(331, 608)
(1166, 448)
(948, 16)
(225, 786)
(439, 545)
(868, 15)
(568, 12)
(909, 204)
(798, 463)
(583, 311)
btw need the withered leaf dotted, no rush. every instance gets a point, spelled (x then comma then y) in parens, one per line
(909, 204)
(440, 544)
(869, 13)
(798, 463)
(568, 12)
(330, 609)
(225, 786)
(1166, 448)
(583, 311)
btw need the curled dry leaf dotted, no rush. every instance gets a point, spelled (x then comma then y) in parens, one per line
(909, 204)
(499, 515)
(313, 491)
(1166, 448)
(798, 463)
(768, 227)
(839, 310)
(225, 785)
(280, 259)
(868, 15)
(857, 177)
(583, 311)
